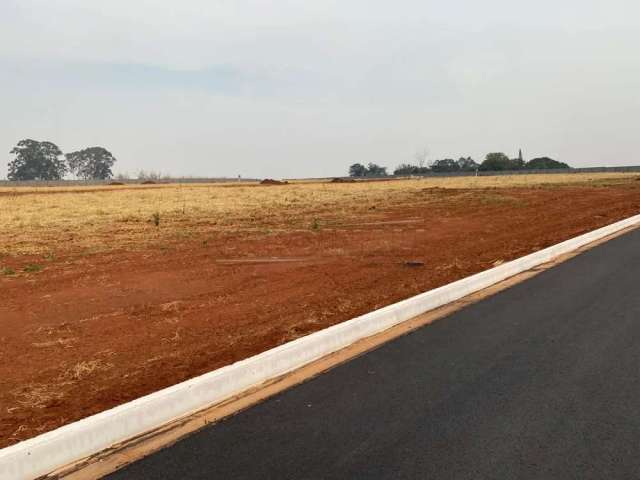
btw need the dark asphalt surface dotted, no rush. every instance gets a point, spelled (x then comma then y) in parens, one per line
(540, 381)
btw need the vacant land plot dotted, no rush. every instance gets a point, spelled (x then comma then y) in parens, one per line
(109, 293)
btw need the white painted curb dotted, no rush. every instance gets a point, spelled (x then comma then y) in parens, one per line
(43, 454)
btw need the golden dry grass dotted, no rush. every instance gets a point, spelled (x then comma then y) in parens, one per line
(52, 219)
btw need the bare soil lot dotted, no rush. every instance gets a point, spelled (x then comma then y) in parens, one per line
(99, 305)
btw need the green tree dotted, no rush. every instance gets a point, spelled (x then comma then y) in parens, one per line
(408, 169)
(36, 161)
(496, 162)
(91, 163)
(374, 170)
(445, 165)
(467, 164)
(405, 169)
(544, 163)
(517, 163)
(357, 170)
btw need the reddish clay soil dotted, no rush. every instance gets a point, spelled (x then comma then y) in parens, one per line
(91, 332)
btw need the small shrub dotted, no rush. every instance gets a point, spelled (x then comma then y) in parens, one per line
(33, 268)
(315, 225)
(156, 219)
(8, 271)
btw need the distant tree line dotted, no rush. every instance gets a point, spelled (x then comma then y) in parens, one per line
(36, 160)
(371, 170)
(499, 161)
(493, 162)
(444, 165)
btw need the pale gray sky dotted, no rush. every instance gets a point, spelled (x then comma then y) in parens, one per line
(306, 87)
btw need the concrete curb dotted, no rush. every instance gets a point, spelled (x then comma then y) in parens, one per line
(40, 455)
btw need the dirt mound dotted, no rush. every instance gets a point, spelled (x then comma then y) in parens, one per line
(148, 182)
(116, 183)
(271, 181)
(343, 180)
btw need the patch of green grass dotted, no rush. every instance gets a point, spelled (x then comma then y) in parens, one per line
(33, 268)
(8, 271)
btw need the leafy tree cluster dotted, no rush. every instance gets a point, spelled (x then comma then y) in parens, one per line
(408, 169)
(449, 165)
(463, 164)
(36, 160)
(371, 170)
(496, 161)
(500, 162)
(545, 163)
(91, 163)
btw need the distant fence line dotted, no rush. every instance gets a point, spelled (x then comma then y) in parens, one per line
(135, 181)
(479, 173)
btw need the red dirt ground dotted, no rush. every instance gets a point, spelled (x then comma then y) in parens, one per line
(91, 332)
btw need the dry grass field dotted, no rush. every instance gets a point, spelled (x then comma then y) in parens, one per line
(97, 219)
(110, 293)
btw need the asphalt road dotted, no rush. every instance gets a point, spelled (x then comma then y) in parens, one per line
(539, 381)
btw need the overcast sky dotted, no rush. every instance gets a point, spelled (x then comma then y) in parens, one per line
(301, 88)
